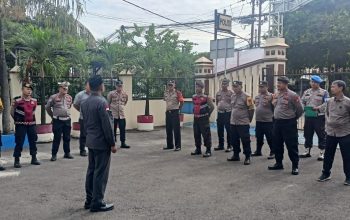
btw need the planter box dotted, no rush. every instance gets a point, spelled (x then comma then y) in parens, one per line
(145, 123)
(75, 133)
(182, 117)
(44, 132)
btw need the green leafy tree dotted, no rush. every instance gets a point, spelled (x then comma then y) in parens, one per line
(17, 10)
(44, 52)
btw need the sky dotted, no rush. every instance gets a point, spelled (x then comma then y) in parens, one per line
(103, 17)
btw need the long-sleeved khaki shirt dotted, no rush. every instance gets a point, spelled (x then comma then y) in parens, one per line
(242, 104)
(338, 117)
(287, 105)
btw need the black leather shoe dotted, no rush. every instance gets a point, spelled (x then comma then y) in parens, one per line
(103, 208)
(177, 148)
(324, 178)
(17, 163)
(83, 153)
(124, 145)
(347, 182)
(68, 156)
(295, 171)
(271, 156)
(276, 166)
(53, 158)
(306, 154)
(35, 161)
(196, 152)
(234, 158)
(228, 150)
(168, 148)
(2, 168)
(219, 148)
(87, 205)
(207, 154)
(247, 161)
(256, 154)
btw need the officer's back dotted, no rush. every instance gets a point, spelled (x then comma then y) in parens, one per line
(95, 117)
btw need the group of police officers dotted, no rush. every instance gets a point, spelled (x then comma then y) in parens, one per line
(58, 108)
(276, 118)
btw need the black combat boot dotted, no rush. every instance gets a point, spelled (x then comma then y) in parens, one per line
(123, 145)
(17, 163)
(2, 168)
(35, 160)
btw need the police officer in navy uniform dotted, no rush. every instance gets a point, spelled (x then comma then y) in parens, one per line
(288, 109)
(100, 142)
(23, 113)
(202, 108)
(315, 97)
(58, 107)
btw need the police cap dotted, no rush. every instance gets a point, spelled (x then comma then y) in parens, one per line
(283, 79)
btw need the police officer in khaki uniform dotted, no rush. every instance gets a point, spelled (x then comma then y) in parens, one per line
(117, 100)
(174, 102)
(264, 119)
(241, 116)
(23, 113)
(202, 108)
(314, 98)
(58, 107)
(288, 109)
(338, 131)
(223, 103)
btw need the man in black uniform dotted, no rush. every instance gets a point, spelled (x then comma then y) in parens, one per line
(100, 142)
(23, 113)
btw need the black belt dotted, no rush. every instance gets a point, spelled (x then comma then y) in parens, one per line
(61, 118)
(224, 111)
(174, 110)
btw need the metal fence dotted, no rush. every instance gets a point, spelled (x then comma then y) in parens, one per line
(155, 87)
(50, 85)
(142, 86)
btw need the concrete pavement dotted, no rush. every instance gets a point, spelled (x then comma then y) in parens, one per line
(149, 183)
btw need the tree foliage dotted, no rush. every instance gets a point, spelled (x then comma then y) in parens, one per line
(318, 35)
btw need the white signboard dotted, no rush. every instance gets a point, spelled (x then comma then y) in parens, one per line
(222, 48)
(225, 22)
